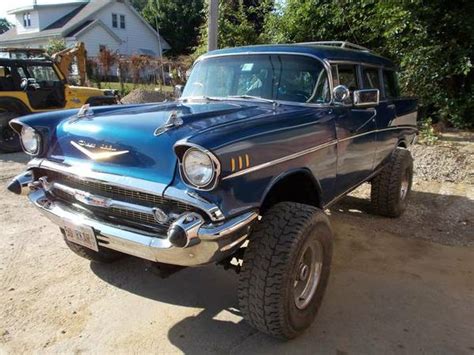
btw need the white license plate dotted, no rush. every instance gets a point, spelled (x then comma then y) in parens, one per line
(80, 234)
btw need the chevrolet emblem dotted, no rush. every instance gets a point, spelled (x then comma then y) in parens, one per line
(109, 153)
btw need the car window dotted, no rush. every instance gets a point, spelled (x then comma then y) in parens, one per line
(347, 75)
(390, 83)
(278, 77)
(42, 73)
(6, 79)
(370, 78)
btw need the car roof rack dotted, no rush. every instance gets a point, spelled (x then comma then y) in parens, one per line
(340, 44)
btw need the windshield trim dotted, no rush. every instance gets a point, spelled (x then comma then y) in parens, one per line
(324, 62)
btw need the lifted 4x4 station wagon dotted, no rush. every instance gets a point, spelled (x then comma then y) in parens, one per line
(237, 171)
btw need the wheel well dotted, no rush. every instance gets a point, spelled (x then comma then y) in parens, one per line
(13, 105)
(299, 187)
(402, 144)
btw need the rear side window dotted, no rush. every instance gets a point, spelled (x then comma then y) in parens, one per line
(371, 78)
(390, 83)
(347, 76)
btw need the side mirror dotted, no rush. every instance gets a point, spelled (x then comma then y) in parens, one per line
(29, 84)
(341, 94)
(368, 97)
(178, 91)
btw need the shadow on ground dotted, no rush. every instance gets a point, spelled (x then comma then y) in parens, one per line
(385, 292)
(19, 157)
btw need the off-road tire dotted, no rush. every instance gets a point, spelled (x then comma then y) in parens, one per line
(103, 256)
(7, 133)
(270, 266)
(386, 194)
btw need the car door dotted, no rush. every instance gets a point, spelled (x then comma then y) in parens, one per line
(356, 133)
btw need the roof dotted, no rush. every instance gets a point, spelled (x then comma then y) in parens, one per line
(41, 6)
(89, 25)
(323, 52)
(71, 23)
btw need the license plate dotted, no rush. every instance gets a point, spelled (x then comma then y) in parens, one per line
(80, 234)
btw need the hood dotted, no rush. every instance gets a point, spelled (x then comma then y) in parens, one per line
(133, 142)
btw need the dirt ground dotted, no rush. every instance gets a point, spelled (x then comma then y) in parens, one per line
(397, 286)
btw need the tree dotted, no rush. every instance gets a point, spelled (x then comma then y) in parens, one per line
(432, 42)
(106, 59)
(4, 25)
(240, 22)
(55, 46)
(178, 22)
(139, 5)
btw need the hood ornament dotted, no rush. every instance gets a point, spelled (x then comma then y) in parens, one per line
(106, 150)
(84, 112)
(173, 121)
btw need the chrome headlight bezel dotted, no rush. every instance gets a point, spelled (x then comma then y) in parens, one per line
(30, 140)
(213, 163)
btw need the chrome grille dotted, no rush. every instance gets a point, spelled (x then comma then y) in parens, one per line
(119, 194)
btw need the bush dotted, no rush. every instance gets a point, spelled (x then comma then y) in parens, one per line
(432, 42)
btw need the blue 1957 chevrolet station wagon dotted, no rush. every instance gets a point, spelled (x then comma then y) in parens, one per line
(237, 171)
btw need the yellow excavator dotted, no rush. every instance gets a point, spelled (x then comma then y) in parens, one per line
(31, 81)
(66, 57)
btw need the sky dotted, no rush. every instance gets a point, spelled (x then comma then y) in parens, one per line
(6, 5)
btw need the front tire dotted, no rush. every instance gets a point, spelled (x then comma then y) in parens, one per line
(9, 139)
(391, 187)
(285, 270)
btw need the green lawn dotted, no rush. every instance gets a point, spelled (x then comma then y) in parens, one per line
(130, 86)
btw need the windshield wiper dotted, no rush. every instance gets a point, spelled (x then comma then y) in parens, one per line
(202, 97)
(250, 97)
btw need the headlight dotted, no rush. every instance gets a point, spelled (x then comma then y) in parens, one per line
(30, 140)
(198, 167)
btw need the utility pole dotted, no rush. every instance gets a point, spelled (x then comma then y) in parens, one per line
(212, 25)
(159, 45)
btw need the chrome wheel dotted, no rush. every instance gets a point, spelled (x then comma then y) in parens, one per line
(308, 274)
(405, 185)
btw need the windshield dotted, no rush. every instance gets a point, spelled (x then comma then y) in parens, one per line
(270, 76)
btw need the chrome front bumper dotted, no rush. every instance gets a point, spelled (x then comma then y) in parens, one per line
(210, 242)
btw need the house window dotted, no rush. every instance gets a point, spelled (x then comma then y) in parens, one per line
(122, 21)
(102, 48)
(26, 19)
(114, 21)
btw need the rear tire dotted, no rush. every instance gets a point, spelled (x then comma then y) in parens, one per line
(103, 256)
(285, 270)
(9, 139)
(391, 187)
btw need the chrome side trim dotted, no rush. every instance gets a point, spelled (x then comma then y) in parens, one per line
(280, 160)
(308, 151)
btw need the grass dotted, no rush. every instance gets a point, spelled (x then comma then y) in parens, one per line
(130, 86)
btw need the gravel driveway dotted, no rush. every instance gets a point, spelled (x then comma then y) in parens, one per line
(397, 286)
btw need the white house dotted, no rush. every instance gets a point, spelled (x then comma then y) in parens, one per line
(111, 24)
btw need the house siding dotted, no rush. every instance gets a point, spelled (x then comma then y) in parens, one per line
(34, 17)
(136, 34)
(96, 37)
